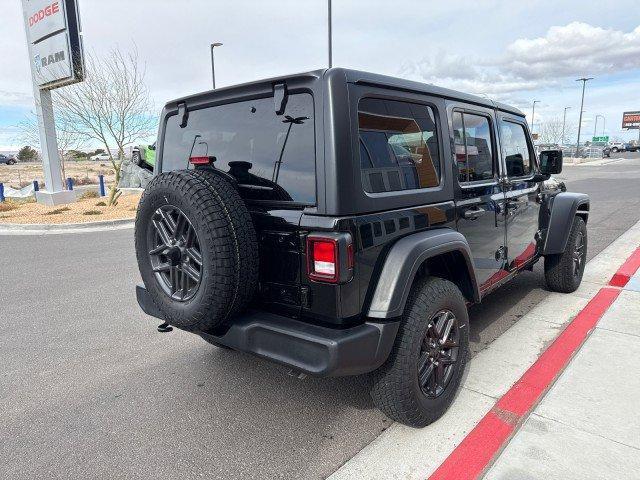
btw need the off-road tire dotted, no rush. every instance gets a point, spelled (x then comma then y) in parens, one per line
(136, 158)
(227, 240)
(396, 390)
(559, 268)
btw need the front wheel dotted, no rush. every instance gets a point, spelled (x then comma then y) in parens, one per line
(420, 378)
(615, 150)
(137, 159)
(563, 272)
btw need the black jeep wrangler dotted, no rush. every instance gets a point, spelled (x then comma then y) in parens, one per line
(340, 222)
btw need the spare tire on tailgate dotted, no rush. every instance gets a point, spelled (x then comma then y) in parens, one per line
(196, 248)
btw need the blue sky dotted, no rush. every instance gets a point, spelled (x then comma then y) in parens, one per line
(512, 51)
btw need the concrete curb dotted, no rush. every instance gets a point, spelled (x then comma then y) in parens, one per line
(591, 162)
(403, 452)
(44, 229)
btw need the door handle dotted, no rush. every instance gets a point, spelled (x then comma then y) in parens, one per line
(473, 213)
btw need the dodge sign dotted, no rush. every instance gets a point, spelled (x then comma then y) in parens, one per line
(53, 33)
(631, 120)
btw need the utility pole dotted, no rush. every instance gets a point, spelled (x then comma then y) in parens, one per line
(564, 121)
(584, 81)
(329, 32)
(213, 68)
(533, 113)
(595, 126)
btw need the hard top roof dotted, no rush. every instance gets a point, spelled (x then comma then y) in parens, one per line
(356, 76)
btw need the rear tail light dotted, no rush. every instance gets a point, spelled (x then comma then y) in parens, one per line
(201, 160)
(330, 257)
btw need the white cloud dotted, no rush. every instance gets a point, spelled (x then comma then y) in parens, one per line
(574, 49)
(565, 51)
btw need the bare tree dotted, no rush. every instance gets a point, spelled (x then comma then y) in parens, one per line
(67, 137)
(552, 131)
(111, 106)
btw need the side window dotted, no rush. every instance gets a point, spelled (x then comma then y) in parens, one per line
(515, 149)
(473, 149)
(398, 146)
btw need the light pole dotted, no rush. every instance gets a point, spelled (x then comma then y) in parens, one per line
(595, 126)
(329, 34)
(533, 113)
(564, 121)
(213, 68)
(584, 81)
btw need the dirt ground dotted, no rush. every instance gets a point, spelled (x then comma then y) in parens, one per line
(83, 173)
(82, 211)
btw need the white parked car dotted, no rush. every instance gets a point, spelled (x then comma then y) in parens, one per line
(617, 147)
(100, 157)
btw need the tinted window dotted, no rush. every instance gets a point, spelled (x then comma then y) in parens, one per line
(398, 146)
(515, 149)
(272, 156)
(473, 150)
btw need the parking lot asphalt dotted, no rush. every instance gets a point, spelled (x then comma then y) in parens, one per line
(90, 389)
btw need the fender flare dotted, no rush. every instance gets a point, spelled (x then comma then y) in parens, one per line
(565, 206)
(402, 264)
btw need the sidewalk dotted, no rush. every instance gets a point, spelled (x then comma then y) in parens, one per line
(588, 424)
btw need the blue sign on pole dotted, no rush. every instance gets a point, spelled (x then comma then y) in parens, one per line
(1, 192)
(101, 181)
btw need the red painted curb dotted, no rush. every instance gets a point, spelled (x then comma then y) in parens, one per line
(480, 447)
(627, 270)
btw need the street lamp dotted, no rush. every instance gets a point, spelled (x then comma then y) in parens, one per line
(584, 81)
(329, 33)
(564, 121)
(595, 126)
(533, 113)
(213, 69)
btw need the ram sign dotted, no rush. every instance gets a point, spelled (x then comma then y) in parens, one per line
(631, 120)
(53, 33)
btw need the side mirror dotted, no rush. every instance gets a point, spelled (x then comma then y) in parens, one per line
(550, 162)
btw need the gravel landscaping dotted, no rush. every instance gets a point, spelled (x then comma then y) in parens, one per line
(82, 211)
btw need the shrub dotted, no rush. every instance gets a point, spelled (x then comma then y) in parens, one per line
(83, 181)
(92, 212)
(101, 204)
(57, 211)
(89, 194)
(7, 206)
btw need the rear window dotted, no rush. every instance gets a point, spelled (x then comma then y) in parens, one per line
(272, 156)
(398, 146)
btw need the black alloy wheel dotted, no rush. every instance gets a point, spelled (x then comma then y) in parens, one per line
(176, 258)
(579, 254)
(438, 353)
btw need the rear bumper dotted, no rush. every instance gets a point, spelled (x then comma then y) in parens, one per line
(309, 348)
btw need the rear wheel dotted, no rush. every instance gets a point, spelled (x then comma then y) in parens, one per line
(137, 159)
(422, 374)
(196, 249)
(563, 272)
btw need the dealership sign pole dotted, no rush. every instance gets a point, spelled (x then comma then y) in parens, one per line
(56, 58)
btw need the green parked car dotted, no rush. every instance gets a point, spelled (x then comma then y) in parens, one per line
(144, 155)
